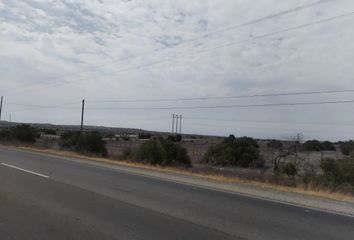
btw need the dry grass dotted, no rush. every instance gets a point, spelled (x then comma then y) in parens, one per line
(311, 191)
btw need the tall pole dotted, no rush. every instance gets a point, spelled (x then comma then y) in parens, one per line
(177, 124)
(180, 124)
(1, 106)
(82, 114)
(173, 123)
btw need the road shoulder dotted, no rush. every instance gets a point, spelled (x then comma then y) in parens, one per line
(269, 194)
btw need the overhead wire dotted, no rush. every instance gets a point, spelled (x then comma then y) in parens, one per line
(223, 97)
(218, 47)
(37, 106)
(299, 8)
(224, 106)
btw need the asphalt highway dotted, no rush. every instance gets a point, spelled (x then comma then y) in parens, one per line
(48, 197)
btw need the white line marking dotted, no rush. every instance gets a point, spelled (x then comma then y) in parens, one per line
(24, 170)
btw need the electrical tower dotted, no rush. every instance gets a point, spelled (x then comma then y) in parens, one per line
(176, 124)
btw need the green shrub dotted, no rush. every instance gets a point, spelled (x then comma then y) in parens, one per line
(127, 154)
(242, 152)
(162, 152)
(6, 135)
(328, 146)
(49, 131)
(310, 177)
(91, 142)
(318, 146)
(23, 133)
(144, 136)
(290, 169)
(338, 173)
(347, 147)
(275, 144)
(175, 138)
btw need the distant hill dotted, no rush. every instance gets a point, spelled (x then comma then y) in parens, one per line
(63, 128)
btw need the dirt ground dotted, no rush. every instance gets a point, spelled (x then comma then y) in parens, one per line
(196, 148)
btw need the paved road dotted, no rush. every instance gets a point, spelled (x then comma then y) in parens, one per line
(74, 200)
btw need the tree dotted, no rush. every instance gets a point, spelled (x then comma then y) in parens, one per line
(175, 138)
(242, 152)
(144, 136)
(91, 142)
(279, 158)
(290, 169)
(347, 147)
(313, 145)
(338, 172)
(328, 146)
(318, 146)
(279, 154)
(24, 133)
(275, 144)
(163, 152)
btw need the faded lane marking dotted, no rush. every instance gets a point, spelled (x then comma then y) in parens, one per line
(24, 170)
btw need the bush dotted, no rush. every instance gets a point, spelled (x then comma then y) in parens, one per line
(5, 135)
(175, 138)
(91, 142)
(328, 146)
(242, 152)
(338, 173)
(49, 131)
(126, 154)
(318, 146)
(290, 169)
(163, 152)
(310, 178)
(144, 136)
(347, 147)
(23, 133)
(275, 144)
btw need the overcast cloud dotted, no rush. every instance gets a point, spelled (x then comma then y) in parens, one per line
(55, 52)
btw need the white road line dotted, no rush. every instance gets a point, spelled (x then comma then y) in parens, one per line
(24, 170)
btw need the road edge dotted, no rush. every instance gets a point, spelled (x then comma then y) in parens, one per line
(268, 194)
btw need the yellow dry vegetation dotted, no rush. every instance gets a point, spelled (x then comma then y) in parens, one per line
(311, 191)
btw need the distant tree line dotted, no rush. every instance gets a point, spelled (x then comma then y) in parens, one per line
(317, 146)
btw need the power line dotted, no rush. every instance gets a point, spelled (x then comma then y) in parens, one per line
(226, 97)
(221, 46)
(267, 122)
(205, 107)
(41, 106)
(226, 106)
(292, 10)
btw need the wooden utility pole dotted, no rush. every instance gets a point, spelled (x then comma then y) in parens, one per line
(173, 123)
(180, 124)
(1, 106)
(82, 115)
(176, 124)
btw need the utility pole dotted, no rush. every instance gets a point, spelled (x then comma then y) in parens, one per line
(82, 114)
(173, 123)
(1, 106)
(177, 124)
(297, 145)
(180, 124)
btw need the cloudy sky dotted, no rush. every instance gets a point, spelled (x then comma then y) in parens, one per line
(54, 53)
